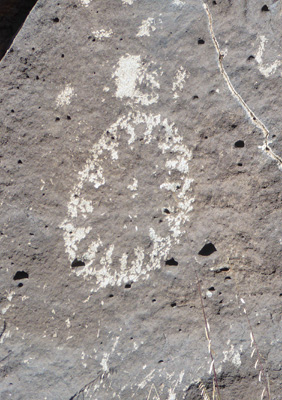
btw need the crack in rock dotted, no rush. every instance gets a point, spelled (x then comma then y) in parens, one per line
(254, 119)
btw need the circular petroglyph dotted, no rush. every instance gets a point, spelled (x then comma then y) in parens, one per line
(133, 197)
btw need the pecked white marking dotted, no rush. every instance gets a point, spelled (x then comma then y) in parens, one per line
(233, 356)
(179, 81)
(64, 98)
(129, 74)
(102, 33)
(146, 26)
(130, 2)
(265, 70)
(85, 2)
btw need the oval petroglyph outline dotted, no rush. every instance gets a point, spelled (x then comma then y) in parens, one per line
(130, 76)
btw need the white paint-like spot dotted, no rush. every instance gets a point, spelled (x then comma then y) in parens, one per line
(178, 2)
(64, 98)
(10, 296)
(133, 187)
(5, 309)
(130, 2)
(129, 74)
(265, 70)
(4, 336)
(68, 323)
(232, 356)
(146, 26)
(102, 33)
(179, 81)
(85, 2)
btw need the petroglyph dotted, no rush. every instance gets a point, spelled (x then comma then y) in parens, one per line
(265, 70)
(138, 241)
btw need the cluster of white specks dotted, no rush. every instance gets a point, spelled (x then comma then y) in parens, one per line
(85, 2)
(179, 81)
(146, 26)
(130, 2)
(129, 74)
(265, 70)
(102, 33)
(232, 355)
(133, 187)
(64, 98)
(106, 356)
(179, 2)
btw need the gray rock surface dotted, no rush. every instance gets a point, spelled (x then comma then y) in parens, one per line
(134, 133)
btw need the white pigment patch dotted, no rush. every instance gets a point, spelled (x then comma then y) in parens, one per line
(85, 3)
(146, 26)
(179, 81)
(265, 70)
(129, 74)
(64, 98)
(102, 33)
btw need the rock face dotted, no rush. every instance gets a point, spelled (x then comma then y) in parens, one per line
(141, 173)
(12, 15)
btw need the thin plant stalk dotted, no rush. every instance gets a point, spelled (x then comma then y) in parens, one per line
(207, 329)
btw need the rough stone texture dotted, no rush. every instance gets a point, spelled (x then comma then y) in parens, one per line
(133, 133)
(12, 15)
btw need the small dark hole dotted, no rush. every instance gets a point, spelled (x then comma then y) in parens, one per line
(166, 211)
(93, 40)
(250, 58)
(206, 137)
(127, 286)
(227, 278)
(131, 338)
(179, 330)
(173, 304)
(280, 295)
(20, 275)
(12, 111)
(223, 269)
(20, 284)
(161, 361)
(120, 38)
(56, 19)
(37, 77)
(267, 148)
(57, 119)
(211, 289)
(153, 300)
(233, 126)
(111, 295)
(68, 117)
(214, 2)
(239, 143)
(264, 8)
(33, 49)
(240, 164)
(201, 41)
(77, 263)
(273, 136)
(171, 261)
(20, 162)
(195, 97)
(62, 55)
(207, 250)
